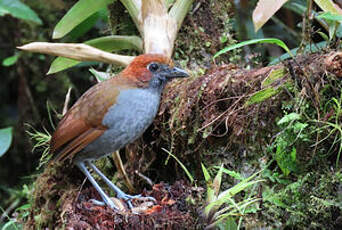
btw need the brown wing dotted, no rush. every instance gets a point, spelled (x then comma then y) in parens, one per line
(77, 144)
(82, 124)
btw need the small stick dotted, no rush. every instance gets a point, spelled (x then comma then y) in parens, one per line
(122, 171)
(66, 102)
(148, 180)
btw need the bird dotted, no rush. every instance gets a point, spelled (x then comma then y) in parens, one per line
(110, 115)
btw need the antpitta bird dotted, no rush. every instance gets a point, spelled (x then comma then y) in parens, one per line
(112, 114)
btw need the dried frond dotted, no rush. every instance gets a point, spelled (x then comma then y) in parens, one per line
(80, 52)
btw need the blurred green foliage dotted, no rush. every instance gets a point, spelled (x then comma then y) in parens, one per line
(25, 89)
(5, 140)
(17, 9)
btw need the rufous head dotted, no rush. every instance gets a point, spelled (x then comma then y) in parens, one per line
(149, 68)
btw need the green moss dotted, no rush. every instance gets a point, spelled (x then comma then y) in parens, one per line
(310, 201)
(206, 30)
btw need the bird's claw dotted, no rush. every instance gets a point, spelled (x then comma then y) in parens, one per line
(125, 197)
(146, 198)
(97, 202)
(113, 203)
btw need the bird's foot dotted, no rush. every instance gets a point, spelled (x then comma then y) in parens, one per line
(118, 203)
(127, 198)
(97, 202)
(112, 203)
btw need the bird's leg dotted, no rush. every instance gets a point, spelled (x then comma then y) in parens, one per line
(103, 195)
(119, 192)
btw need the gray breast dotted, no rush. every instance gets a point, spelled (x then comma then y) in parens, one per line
(133, 112)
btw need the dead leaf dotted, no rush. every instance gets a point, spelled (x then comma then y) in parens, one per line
(167, 201)
(154, 209)
(264, 10)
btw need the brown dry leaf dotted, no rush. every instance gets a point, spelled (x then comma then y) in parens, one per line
(79, 52)
(167, 201)
(143, 208)
(334, 64)
(264, 10)
(154, 209)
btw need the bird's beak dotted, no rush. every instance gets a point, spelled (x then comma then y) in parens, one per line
(176, 73)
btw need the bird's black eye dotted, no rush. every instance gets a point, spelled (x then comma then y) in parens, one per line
(153, 67)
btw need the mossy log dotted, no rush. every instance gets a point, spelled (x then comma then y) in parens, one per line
(212, 117)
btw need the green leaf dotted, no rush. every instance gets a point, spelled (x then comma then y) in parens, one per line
(228, 224)
(285, 160)
(330, 16)
(255, 41)
(328, 6)
(217, 181)
(179, 10)
(84, 26)
(233, 174)
(273, 76)
(297, 127)
(191, 178)
(323, 35)
(309, 48)
(333, 21)
(77, 14)
(210, 190)
(205, 173)
(10, 225)
(5, 140)
(100, 76)
(293, 154)
(133, 9)
(108, 43)
(237, 209)
(269, 195)
(225, 196)
(261, 96)
(62, 63)
(296, 7)
(10, 60)
(24, 207)
(339, 30)
(17, 9)
(289, 117)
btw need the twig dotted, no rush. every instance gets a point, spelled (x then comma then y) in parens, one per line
(145, 178)
(122, 171)
(66, 102)
(9, 210)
